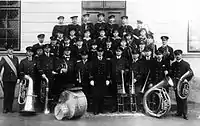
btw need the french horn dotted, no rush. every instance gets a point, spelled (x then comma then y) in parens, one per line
(163, 104)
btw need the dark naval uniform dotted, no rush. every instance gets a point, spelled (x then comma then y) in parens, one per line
(60, 29)
(118, 64)
(45, 65)
(88, 26)
(115, 42)
(110, 27)
(167, 53)
(124, 29)
(9, 79)
(75, 27)
(98, 26)
(99, 73)
(178, 69)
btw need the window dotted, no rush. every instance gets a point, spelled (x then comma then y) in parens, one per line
(10, 23)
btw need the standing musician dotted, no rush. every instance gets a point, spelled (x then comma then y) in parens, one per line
(100, 76)
(100, 24)
(136, 31)
(27, 66)
(87, 25)
(135, 67)
(87, 40)
(115, 39)
(9, 66)
(74, 25)
(125, 28)
(82, 70)
(46, 66)
(108, 50)
(55, 47)
(178, 70)
(166, 49)
(118, 63)
(60, 27)
(101, 40)
(111, 25)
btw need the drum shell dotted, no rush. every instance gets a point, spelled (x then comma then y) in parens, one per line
(71, 105)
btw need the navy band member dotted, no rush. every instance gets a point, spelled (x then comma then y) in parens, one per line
(10, 64)
(125, 28)
(115, 39)
(87, 25)
(74, 25)
(54, 47)
(100, 76)
(178, 69)
(118, 64)
(100, 24)
(46, 66)
(166, 49)
(82, 70)
(101, 40)
(87, 40)
(60, 27)
(111, 25)
(93, 51)
(108, 50)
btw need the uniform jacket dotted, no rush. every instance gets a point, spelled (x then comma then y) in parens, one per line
(167, 57)
(76, 27)
(110, 27)
(9, 75)
(125, 29)
(60, 29)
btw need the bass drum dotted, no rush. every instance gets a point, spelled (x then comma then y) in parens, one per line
(72, 104)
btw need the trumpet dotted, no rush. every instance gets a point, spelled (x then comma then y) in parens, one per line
(145, 83)
(123, 88)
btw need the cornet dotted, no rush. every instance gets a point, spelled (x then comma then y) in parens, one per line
(79, 77)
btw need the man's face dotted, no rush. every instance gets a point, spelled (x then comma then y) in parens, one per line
(115, 33)
(61, 21)
(139, 25)
(124, 21)
(118, 52)
(143, 33)
(135, 56)
(85, 18)
(87, 34)
(164, 42)
(39, 52)
(10, 51)
(149, 41)
(112, 20)
(41, 40)
(148, 54)
(79, 43)
(74, 21)
(72, 32)
(101, 18)
(178, 57)
(128, 37)
(100, 53)
(123, 43)
(53, 42)
(47, 49)
(67, 53)
(159, 57)
(94, 46)
(102, 33)
(84, 57)
(29, 53)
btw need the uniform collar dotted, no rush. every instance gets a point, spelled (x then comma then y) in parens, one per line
(118, 57)
(87, 38)
(179, 60)
(100, 57)
(101, 22)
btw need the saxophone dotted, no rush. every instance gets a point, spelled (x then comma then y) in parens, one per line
(160, 92)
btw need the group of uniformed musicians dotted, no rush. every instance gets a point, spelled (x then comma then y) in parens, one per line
(93, 57)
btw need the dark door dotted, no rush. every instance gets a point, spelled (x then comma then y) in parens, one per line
(117, 8)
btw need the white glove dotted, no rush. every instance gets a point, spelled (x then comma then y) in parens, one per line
(166, 72)
(92, 82)
(43, 75)
(53, 72)
(107, 82)
(18, 81)
(134, 80)
(150, 85)
(63, 70)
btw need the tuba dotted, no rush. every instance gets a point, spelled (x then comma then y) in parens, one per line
(183, 87)
(44, 92)
(25, 96)
(163, 104)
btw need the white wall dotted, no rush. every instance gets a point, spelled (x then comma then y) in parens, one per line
(41, 16)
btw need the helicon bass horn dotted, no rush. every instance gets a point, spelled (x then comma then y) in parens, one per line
(156, 100)
(26, 96)
(44, 92)
(183, 87)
